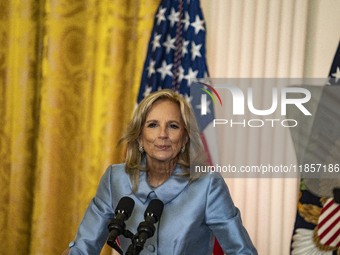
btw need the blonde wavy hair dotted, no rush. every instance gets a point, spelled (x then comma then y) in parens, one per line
(193, 154)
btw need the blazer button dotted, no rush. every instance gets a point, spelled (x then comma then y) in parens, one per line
(151, 248)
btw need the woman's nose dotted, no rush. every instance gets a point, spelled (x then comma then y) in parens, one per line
(163, 132)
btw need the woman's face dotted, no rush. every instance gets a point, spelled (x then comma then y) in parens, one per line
(163, 133)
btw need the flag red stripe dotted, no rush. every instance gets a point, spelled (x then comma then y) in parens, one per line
(217, 247)
(336, 235)
(328, 204)
(326, 231)
(336, 209)
(206, 148)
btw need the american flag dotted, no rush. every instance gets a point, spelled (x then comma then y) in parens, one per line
(176, 51)
(328, 228)
(176, 57)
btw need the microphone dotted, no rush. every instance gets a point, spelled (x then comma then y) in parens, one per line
(146, 229)
(117, 225)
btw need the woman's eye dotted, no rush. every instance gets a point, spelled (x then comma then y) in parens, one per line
(174, 126)
(152, 125)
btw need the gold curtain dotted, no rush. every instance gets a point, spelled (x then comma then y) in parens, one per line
(69, 77)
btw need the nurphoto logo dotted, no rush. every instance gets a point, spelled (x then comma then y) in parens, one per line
(243, 103)
(204, 102)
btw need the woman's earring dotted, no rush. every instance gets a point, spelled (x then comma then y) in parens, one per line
(183, 149)
(141, 149)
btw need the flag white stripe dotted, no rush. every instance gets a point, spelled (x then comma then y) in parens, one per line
(329, 221)
(325, 214)
(329, 235)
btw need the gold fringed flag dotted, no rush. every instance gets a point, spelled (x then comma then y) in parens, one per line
(317, 223)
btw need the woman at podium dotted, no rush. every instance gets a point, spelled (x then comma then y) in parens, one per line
(163, 148)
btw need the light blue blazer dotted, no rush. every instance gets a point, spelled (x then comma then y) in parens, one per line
(194, 212)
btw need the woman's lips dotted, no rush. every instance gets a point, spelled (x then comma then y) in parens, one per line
(162, 147)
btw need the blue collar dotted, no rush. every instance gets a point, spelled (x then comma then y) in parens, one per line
(166, 192)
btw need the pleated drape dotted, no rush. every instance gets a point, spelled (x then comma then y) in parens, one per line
(259, 39)
(69, 75)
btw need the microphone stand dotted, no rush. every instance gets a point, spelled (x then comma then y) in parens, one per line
(114, 244)
(134, 249)
(146, 229)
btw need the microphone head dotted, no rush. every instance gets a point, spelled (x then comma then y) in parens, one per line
(125, 206)
(154, 209)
